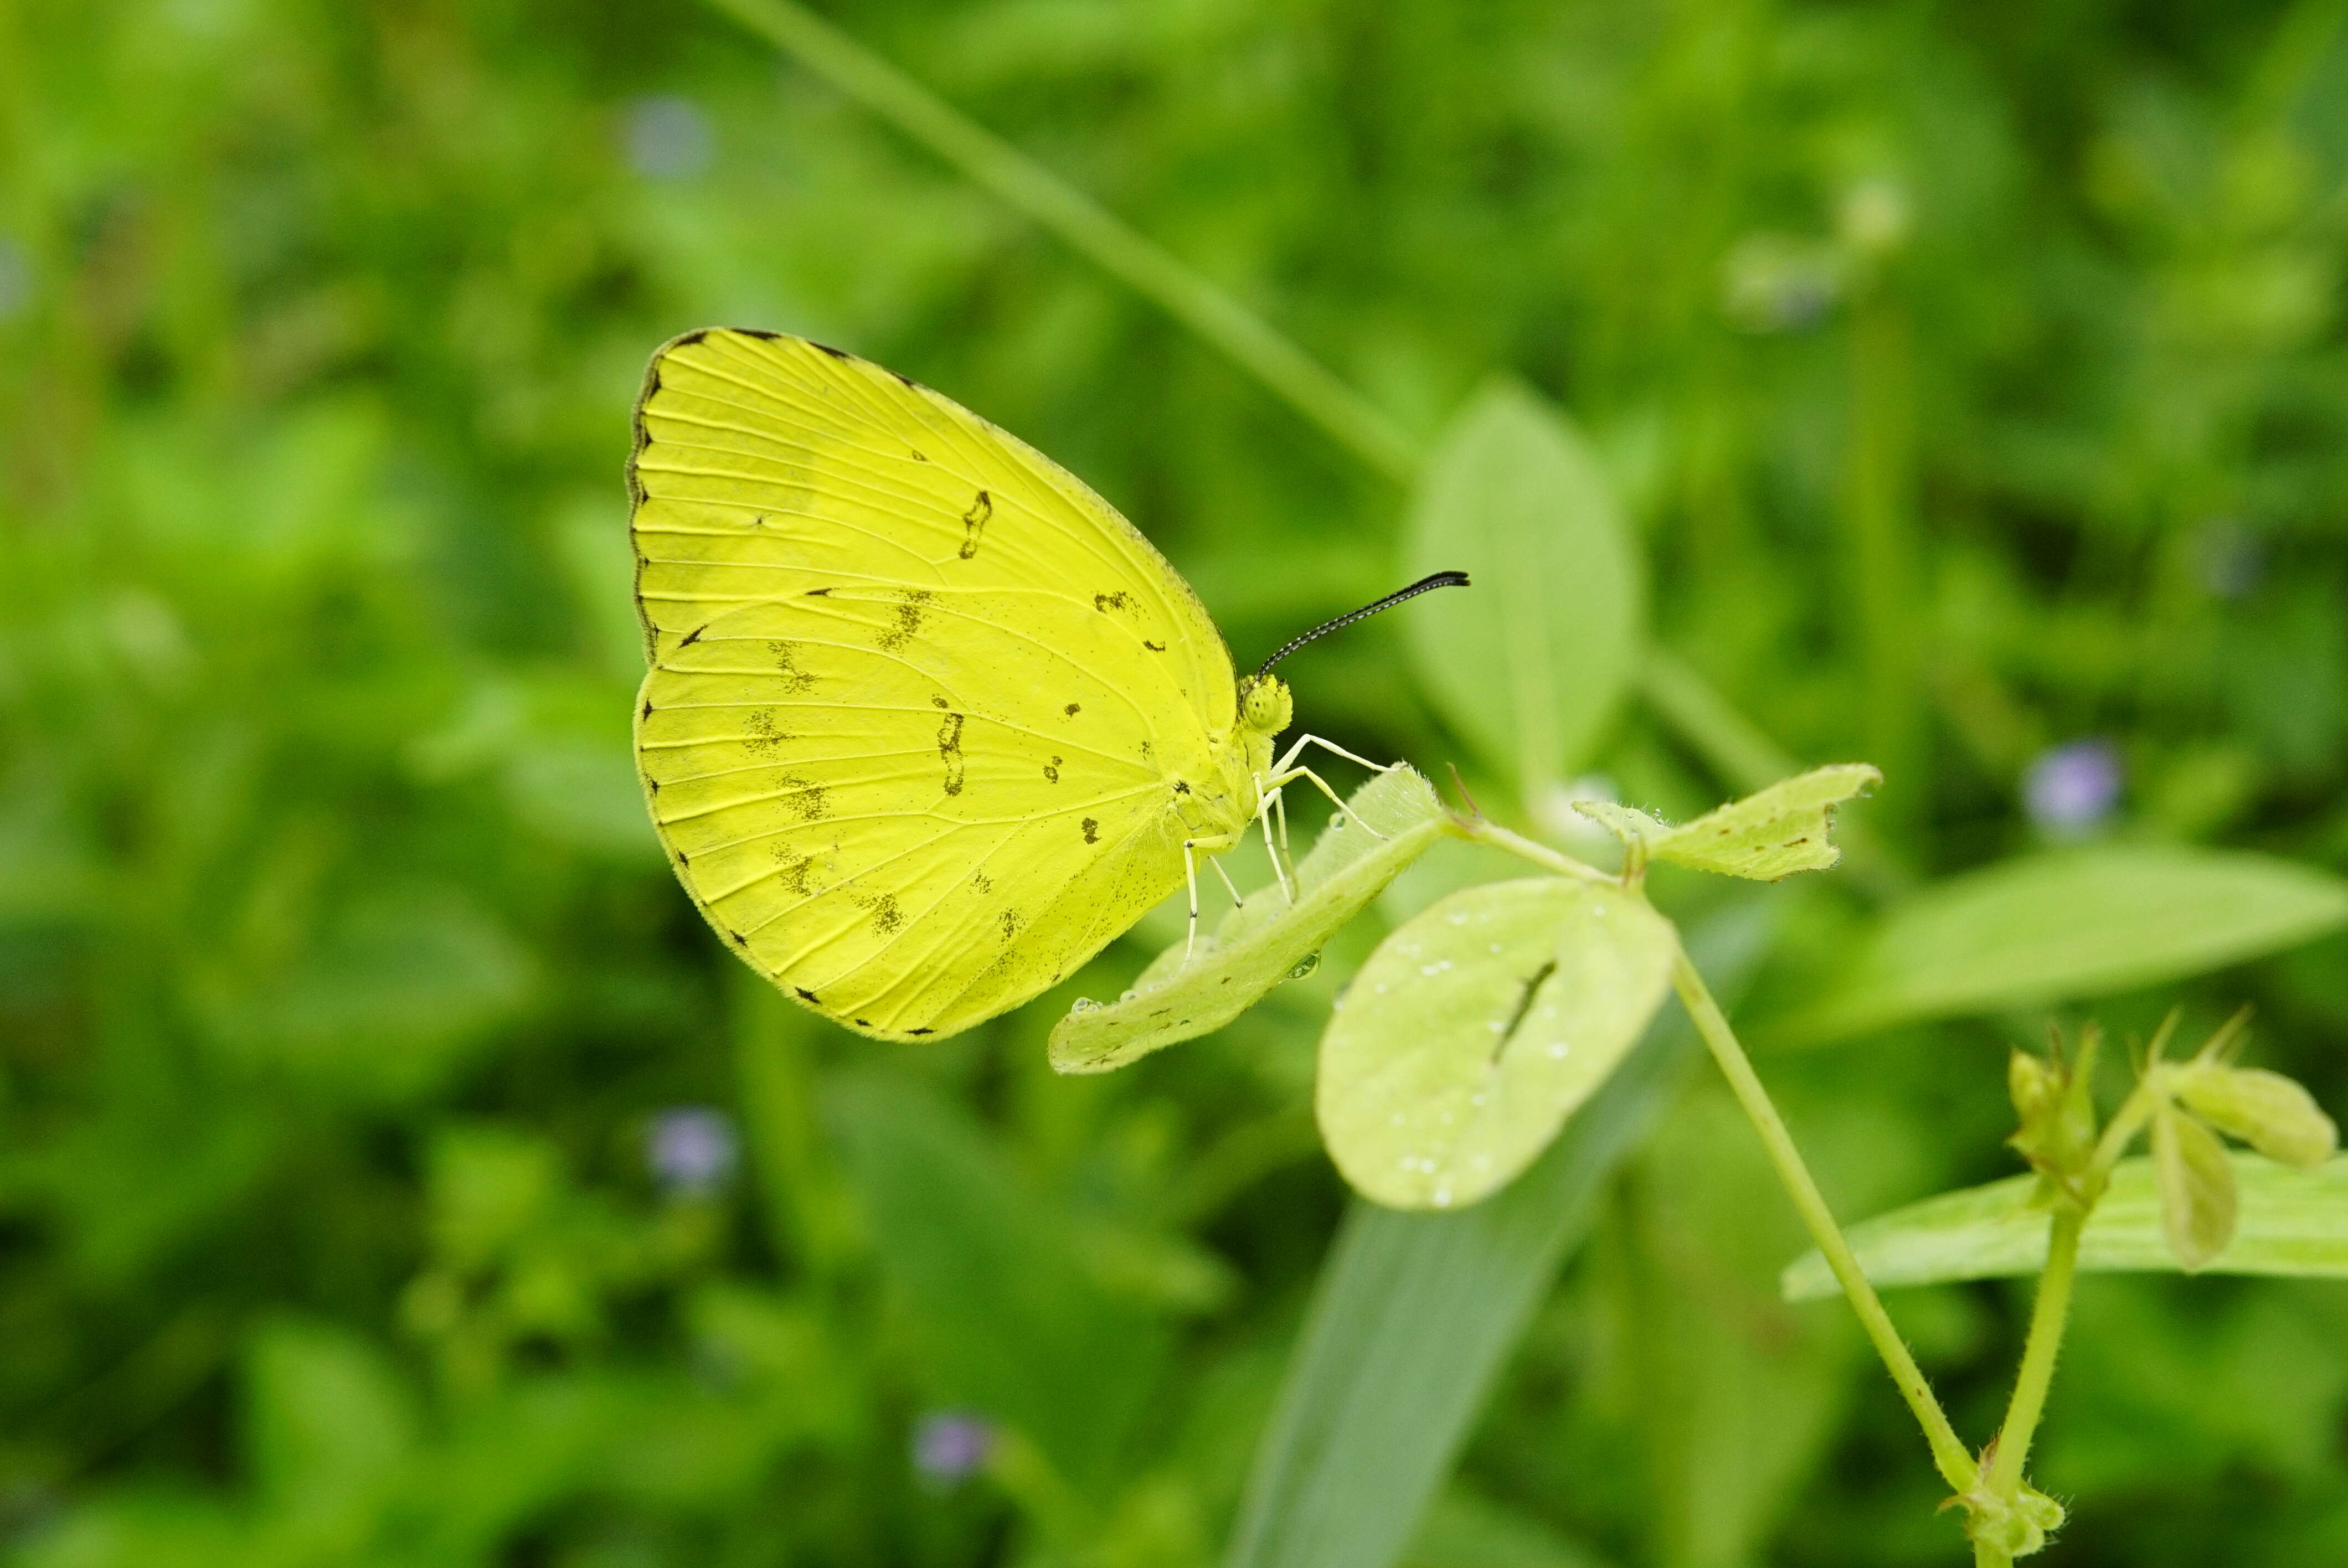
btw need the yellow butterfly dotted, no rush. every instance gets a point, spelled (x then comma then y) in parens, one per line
(927, 722)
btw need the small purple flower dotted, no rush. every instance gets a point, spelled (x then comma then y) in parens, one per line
(950, 1446)
(691, 1150)
(667, 138)
(2069, 790)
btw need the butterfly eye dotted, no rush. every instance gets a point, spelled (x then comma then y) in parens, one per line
(1268, 706)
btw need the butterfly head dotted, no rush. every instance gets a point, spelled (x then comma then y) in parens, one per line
(1265, 705)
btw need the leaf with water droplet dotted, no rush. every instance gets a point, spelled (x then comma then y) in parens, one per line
(1267, 939)
(1483, 1055)
(1763, 837)
(1303, 967)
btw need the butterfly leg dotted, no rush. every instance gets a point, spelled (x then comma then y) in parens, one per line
(1322, 784)
(1190, 847)
(1216, 862)
(1288, 762)
(1265, 799)
(1191, 877)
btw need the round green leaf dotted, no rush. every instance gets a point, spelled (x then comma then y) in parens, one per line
(1474, 1031)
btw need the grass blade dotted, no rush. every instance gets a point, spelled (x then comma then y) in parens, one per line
(2080, 924)
(2291, 1223)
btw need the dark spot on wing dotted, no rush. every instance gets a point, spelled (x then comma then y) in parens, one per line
(1105, 602)
(805, 995)
(863, 1022)
(836, 353)
(917, 454)
(694, 636)
(648, 708)
(797, 870)
(910, 606)
(887, 919)
(949, 750)
(920, 1030)
(1153, 647)
(765, 737)
(938, 703)
(902, 379)
(801, 797)
(692, 337)
(739, 940)
(1181, 786)
(1052, 770)
(974, 523)
(1011, 922)
(981, 881)
(761, 334)
(1092, 830)
(1073, 709)
(818, 593)
(787, 664)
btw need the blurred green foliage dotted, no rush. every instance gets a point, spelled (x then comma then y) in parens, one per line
(1974, 377)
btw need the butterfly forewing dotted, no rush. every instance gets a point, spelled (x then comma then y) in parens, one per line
(918, 700)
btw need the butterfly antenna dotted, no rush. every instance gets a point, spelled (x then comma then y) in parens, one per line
(1424, 585)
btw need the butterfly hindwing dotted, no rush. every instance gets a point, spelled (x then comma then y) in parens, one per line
(919, 702)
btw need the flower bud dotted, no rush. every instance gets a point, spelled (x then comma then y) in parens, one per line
(2269, 1112)
(2035, 1086)
(2197, 1187)
(2055, 1102)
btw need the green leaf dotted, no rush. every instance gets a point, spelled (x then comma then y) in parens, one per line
(327, 1420)
(2289, 1222)
(2271, 1113)
(1005, 1311)
(2080, 924)
(1763, 838)
(1474, 1030)
(1265, 939)
(1530, 663)
(1415, 1314)
(2197, 1198)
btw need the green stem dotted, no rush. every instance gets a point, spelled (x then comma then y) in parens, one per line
(2046, 1320)
(1089, 228)
(1485, 831)
(1956, 1466)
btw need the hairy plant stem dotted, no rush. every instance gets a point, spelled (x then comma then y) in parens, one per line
(1485, 831)
(1949, 1455)
(2047, 1317)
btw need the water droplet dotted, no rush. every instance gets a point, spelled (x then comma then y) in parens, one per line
(1083, 1004)
(1304, 966)
(1128, 996)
